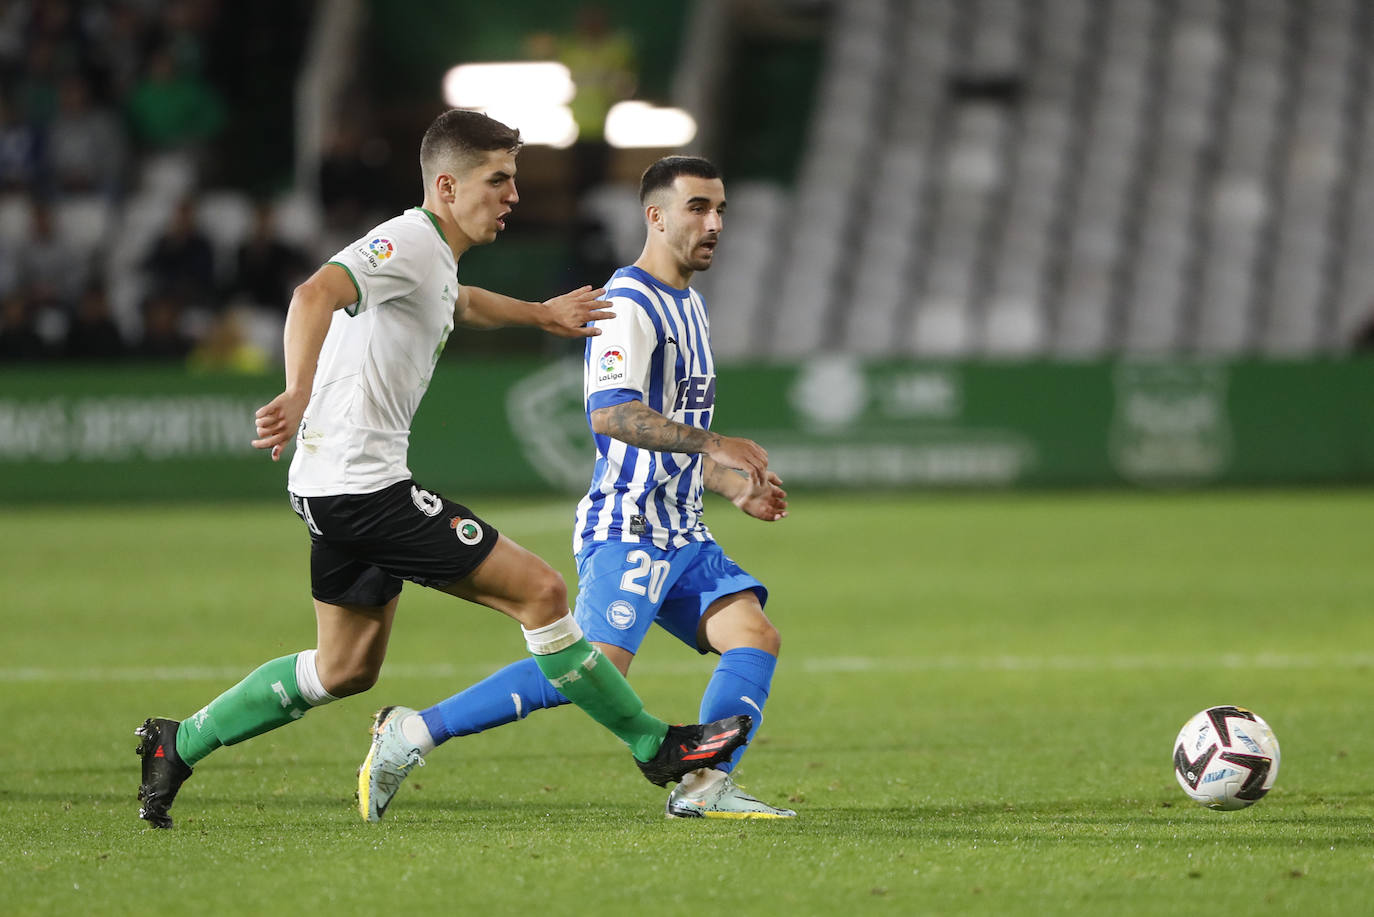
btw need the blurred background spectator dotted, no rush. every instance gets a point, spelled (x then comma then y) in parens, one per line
(86, 143)
(20, 154)
(172, 109)
(93, 334)
(181, 264)
(267, 268)
(19, 340)
(52, 269)
(163, 337)
(600, 56)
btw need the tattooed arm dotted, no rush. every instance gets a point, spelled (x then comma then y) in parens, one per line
(637, 424)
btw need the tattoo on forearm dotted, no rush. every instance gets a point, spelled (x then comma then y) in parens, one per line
(636, 423)
(722, 479)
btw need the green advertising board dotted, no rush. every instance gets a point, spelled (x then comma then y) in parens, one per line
(517, 425)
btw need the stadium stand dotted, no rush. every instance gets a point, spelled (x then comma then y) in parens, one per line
(1068, 179)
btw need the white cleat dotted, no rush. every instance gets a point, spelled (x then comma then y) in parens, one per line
(389, 761)
(721, 799)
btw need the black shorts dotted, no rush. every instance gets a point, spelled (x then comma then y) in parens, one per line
(363, 545)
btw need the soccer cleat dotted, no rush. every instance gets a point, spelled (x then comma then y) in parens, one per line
(389, 761)
(163, 770)
(722, 799)
(687, 748)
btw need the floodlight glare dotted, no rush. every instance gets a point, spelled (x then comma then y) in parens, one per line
(639, 124)
(548, 125)
(532, 96)
(482, 86)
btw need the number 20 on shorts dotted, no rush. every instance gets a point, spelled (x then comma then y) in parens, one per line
(645, 567)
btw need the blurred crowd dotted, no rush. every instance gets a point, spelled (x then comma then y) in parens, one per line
(110, 115)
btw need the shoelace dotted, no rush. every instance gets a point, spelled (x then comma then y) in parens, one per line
(412, 761)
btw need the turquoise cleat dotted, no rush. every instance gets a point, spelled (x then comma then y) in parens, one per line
(389, 761)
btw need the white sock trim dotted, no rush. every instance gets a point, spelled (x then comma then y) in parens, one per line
(549, 639)
(308, 680)
(417, 733)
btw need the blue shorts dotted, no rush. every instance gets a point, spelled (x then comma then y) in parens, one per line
(624, 588)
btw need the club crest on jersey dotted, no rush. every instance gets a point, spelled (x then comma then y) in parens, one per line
(696, 393)
(376, 252)
(468, 532)
(621, 615)
(610, 366)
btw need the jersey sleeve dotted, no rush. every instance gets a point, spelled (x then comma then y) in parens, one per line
(618, 360)
(384, 265)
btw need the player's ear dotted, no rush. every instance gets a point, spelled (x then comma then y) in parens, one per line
(447, 186)
(653, 215)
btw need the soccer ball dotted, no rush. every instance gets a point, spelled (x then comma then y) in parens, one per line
(1226, 758)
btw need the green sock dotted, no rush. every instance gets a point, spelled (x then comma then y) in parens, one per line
(266, 699)
(588, 679)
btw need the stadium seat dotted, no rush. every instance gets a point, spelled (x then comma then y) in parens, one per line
(16, 218)
(83, 221)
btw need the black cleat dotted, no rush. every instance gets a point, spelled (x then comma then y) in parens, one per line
(163, 770)
(687, 748)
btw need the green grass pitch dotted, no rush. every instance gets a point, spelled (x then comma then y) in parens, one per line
(974, 713)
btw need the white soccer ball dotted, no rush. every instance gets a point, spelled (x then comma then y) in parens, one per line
(1226, 758)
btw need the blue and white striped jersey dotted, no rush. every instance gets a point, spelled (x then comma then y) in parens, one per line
(657, 350)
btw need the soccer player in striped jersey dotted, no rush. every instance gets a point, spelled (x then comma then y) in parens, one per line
(644, 553)
(363, 336)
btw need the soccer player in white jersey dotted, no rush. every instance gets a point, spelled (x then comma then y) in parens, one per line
(644, 554)
(362, 338)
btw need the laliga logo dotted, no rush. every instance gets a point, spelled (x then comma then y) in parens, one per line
(610, 366)
(610, 360)
(381, 247)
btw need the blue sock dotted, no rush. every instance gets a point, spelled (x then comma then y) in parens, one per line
(739, 685)
(508, 695)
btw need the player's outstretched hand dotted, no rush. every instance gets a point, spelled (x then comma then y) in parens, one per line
(743, 455)
(278, 420)
(569, 315)
(768, 502)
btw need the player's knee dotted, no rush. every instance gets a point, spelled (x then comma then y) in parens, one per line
(550, 592)
(545, 598)
(755, 632)
(350, 679)
(766, 637)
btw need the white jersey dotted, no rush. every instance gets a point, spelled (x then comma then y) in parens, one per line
(657, 350)
(377, 359)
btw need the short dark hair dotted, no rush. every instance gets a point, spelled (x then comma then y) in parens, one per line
(663, 173)
(457, 139)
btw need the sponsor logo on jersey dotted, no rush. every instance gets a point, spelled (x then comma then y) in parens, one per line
(376, 252)
(468, 532)
(621, 615)
(695, 393)
(610, 366)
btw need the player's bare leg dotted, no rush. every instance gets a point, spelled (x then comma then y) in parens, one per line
(351, 645)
